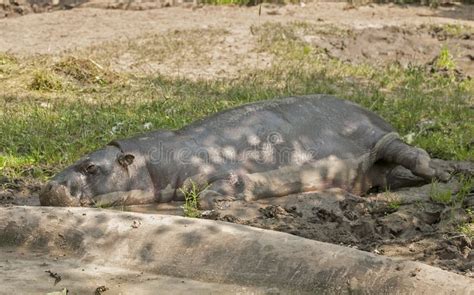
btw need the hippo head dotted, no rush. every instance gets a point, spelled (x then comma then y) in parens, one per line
(105, 177)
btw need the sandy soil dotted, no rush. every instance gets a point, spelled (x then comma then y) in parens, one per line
(81, 249)
(378, 33)
(28, 273)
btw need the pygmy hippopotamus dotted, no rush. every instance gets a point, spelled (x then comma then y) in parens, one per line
(263, 149)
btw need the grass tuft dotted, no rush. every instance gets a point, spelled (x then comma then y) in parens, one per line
(44, 80)
(451, 30)
(191, 199)
(84, 71)
(439, 195)
(6, 59)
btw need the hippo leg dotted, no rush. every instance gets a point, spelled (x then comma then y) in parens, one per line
(401, 177)
(414, 159)
(383, 175)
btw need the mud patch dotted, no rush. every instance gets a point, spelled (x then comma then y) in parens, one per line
(418, 223)
(19, 192)
(407, 223)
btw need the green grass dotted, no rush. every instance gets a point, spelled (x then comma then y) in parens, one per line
(191, 199)
(468, 228)
(52, 112)
(394, 205)
(439, 195)
(447, 196)
(451, 30)
(445, 60)
(45, 81)
(455, 201)
(288, 39)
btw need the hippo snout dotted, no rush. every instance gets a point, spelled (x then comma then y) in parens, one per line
(56, 194)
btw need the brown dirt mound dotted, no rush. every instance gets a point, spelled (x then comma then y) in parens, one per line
(403, 45)
(407, 223)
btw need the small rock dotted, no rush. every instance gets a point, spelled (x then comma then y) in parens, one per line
(101, 289)
(273, 211)
(136, 223)
(449, 252)
(147, 125)
(415, 272)
(210, 214)
(55, 275)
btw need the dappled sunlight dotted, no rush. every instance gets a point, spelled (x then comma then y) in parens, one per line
(227, 116)
(291, 133)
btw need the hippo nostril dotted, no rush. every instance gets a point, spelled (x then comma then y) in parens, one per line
(49, 187)
(56, 194)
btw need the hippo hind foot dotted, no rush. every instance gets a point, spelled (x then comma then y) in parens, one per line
(442, 172)
(416, 160)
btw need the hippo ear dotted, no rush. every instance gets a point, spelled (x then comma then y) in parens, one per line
(125, 159)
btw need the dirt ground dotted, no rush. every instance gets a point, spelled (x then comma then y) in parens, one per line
(409, 223)
(84, 277)
(377, 34)
(406, 223)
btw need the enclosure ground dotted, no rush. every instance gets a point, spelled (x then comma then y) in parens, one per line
(73, 80)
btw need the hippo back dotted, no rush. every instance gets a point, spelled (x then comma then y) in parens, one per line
(259, 137)
(322, 125)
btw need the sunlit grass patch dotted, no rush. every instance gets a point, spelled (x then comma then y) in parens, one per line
(281, 38)
(43, 80)
(7, 61)
(451, 30)
(80, 104)
(84, 71)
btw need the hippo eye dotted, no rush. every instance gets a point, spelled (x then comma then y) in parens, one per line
(92, 169)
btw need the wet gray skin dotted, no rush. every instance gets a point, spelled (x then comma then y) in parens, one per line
(98, 176)
(264, 149)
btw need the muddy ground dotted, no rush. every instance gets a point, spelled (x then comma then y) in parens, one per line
(414, 223)
(407, 223)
